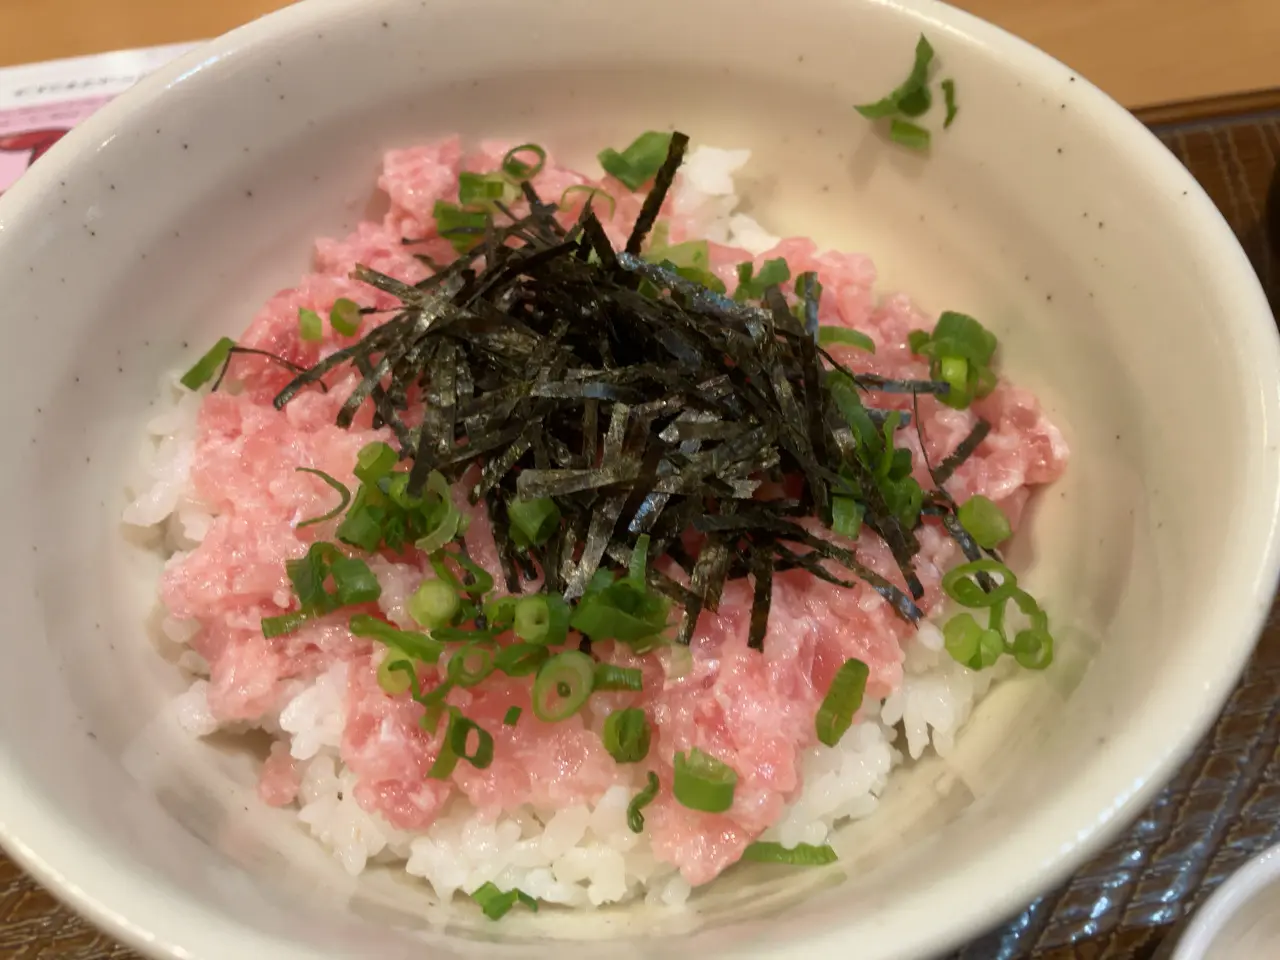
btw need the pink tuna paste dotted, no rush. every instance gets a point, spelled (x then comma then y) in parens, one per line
(754, 711)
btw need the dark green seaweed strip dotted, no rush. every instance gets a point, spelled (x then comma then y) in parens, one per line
(963, 451)
(762, 561)
(662, 182)
(253, 351)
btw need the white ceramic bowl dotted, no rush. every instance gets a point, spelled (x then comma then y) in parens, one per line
(1241, 921)
(1117, 290)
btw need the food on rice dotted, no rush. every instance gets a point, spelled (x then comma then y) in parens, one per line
(577, 704)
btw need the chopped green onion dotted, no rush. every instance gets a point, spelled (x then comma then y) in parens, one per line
(479, 580)
(533, 521)
(472, 664)
(1033, 648)
(592, 193)
(957, 585)
(541, 618)
(395, 674)
(495, 904)
(512, 716)
(206, 368)
(908, 134)
(361, 527)
(478, 189)
(955, 372)
(843, 336)
(459, 734)
(345, 317)
(626, 735)
(434, 604)
(500, 612)
(637, 164)
(949, 97)
(620, 611)
(772, 273)
(447, 758)
(985, 522)
(419, 646)
(521, 659)
(703, 783)
(691, 260)
(917, 340)
(635, 819)
(441, 516)
(283, 624)
(960, 335)
(341, 489)
(462, 228)
(517, 169)
(354, 581)
(846, 516)
(801, 855)
(374, 461)
(916, 103)
(843, 699)
(308, 573)
(961, 636)
(609, 677)
(310, 326)
(918, 77)
(639, 563)
(562, 686)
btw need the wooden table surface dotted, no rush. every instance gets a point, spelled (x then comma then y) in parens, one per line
(1144, 53)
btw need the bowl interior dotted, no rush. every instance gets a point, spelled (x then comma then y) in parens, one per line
(1116, 291)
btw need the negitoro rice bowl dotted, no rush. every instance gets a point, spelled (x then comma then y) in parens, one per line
(573, 538)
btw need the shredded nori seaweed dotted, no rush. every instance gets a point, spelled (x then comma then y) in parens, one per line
(546, 363)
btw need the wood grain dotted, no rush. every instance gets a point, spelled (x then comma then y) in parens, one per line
(1142, 52)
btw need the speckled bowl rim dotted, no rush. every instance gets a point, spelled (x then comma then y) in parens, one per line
(134, 907)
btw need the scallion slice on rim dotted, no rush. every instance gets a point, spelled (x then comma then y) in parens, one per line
(626, 735)
(801, 855)
(985, 522)
(1032, 647)
(960, 583)
(337, 485)
(703, 783)
(518, 169)
(310, 326)
(541, 618)
(908, 134)
(949, 98)
(345, 317)
(472, 664)
(495, 904)
(434, 604)
(206, 368)
(563, 685)
(842, 701)
(635, 818)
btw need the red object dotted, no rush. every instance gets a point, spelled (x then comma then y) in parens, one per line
(36, 141)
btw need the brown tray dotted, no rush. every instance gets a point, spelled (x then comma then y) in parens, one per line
(1221, 809)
